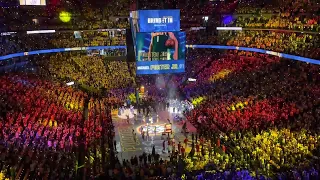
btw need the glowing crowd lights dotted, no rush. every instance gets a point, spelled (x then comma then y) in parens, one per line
(65, 16)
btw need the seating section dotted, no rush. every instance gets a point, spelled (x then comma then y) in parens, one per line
(256, 115)
(98, 129)
(255, 102)
(282, 21)
(306, 45)
(44, 123)
(234, 102)
(40, 129)
(24, 43)
(93, 71)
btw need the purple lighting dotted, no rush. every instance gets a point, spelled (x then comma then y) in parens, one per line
(227, 19)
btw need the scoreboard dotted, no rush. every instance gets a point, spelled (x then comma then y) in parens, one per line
(158, 42)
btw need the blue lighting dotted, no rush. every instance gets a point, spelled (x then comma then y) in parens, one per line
(288, 56)
(227, 19)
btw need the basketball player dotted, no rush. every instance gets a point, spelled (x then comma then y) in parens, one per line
(163, 42)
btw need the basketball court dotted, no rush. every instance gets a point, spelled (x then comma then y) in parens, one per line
(143, 132)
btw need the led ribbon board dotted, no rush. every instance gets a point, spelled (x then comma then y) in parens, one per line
(263, 51)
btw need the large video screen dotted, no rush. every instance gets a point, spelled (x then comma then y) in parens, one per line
(160, 52)
(33, 2)
(158, 20)
(134, 26)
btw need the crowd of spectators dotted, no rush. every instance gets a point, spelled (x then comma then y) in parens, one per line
(83, 16)
(295, 43)
(284, 21)
(16, 43)
(251, 95)
(244, 122)
(49, 131)
(95, 71)
(257, 115)
(280, 154)
(40, 126)
(255, 68)
(116, 97)
(306, 45)
(202, 37)
(224, 66)
(281, 6)
(99, 133)
(286, 15)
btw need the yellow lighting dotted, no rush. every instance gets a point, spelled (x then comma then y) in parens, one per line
(65, 16)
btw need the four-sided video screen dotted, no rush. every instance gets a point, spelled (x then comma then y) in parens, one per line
(159, 44)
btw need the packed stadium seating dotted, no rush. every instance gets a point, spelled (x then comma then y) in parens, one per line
(24, 43)
(257, 115)
(233, 103)
(284, 21)
(286, 15)
(45, 128)
(306, 45)
(43, 123)
(93, 71)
